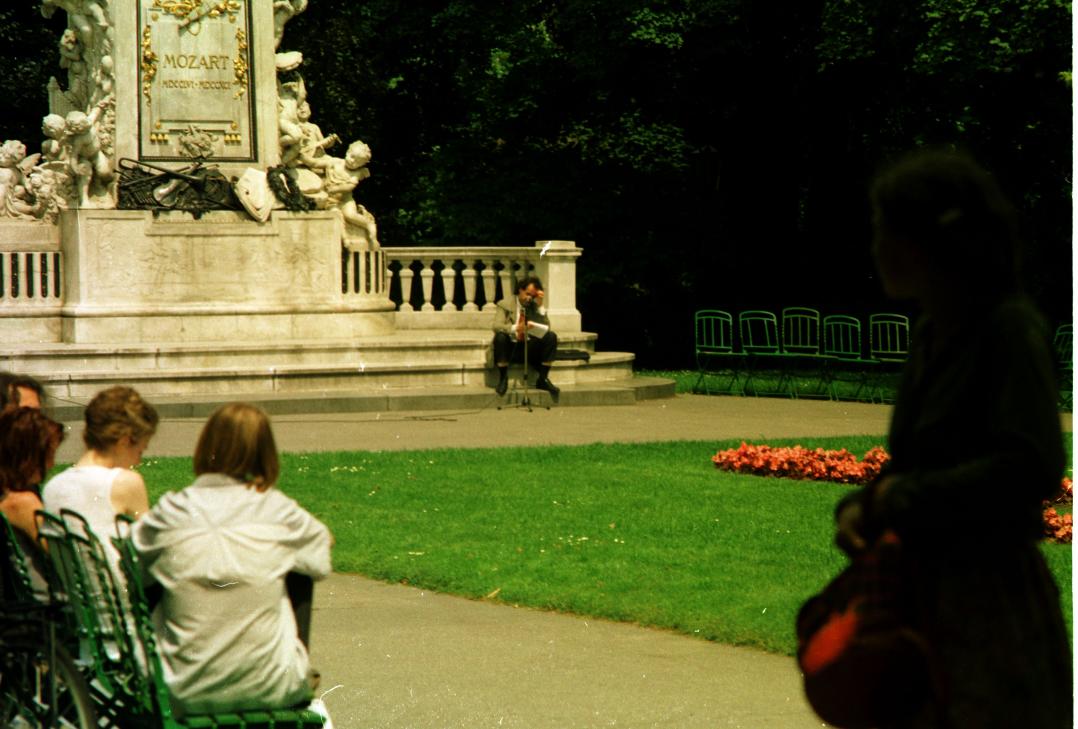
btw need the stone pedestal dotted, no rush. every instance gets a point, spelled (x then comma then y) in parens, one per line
(557, 270)
(135, 278)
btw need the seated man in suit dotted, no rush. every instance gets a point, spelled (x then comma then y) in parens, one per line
(516, 318)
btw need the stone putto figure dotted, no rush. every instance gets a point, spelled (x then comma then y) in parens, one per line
(12, 174)
(80, 129)
(342, 176)
(90, 166)
(283, 11)
(54, 127)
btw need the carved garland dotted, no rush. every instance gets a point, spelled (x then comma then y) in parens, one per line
(185, 10)
(240, 62)
(149, 62)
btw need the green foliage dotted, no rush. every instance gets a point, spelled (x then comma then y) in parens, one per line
(29, 59)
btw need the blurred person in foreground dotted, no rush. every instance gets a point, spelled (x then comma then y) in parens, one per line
(28, 443)
(21, 390)
(976, 448)
(221, 549)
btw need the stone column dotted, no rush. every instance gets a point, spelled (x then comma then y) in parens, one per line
(557, 270)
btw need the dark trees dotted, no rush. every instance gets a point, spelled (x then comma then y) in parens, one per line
(702, 152)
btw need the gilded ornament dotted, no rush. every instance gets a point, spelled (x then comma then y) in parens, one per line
(149, 62)
(240, 62)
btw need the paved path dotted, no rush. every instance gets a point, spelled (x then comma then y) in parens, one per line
(396, 656)
(684, 417)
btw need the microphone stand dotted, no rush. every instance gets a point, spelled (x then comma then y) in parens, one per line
(526, 400)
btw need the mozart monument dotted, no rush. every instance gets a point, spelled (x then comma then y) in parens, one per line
(184, 225)
(181, 191)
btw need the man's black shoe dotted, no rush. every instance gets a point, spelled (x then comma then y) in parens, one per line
(503, 384)
(545, 384)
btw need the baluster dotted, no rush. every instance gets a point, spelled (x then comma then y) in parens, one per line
(406, 275)
(380, 273)
(43, 275)
(427, 280)
(26, 285)
(488, 274)
(469, 274)
(449, 283)
(516, 272)
(505, 276)
(58, 276)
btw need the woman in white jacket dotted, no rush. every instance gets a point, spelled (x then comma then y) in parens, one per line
(221, 549)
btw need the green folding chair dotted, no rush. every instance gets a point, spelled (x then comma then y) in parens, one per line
(41, 684)
(98, 617)
(845, 370)
(759, 331)
(715, 355)
(802, 359)
(889, 338)
(889, 347)
(1063, 343)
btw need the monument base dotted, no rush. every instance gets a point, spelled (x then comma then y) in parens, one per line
(133, 277)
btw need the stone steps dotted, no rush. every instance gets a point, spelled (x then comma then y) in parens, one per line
(411, 369)
(412, 399)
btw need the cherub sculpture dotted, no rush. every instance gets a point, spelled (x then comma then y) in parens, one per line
(342, 176)
(54, 128)
(309, 149)
(89, 164)
(14, 165)
(283, 11)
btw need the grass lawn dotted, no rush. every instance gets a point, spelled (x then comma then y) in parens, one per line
(648, 533)
(807, 386)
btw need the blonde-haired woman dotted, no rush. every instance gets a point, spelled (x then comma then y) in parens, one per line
(221, 550)
(101, 484)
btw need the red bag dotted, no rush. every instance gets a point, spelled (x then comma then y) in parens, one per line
(862, 661)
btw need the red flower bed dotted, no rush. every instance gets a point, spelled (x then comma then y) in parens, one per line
(803, 463)
(841, 466)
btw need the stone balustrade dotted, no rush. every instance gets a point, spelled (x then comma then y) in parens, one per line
(430, 287)
(31, 279)
(448, 287)
(32, 284)
(363, 273)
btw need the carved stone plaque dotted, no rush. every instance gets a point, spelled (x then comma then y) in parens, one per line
(196, 89)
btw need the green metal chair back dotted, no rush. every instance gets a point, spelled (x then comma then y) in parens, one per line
(714, 333)
(107, 598)
(1063, 342)
(18, 587)
(800, 331)
(842, 337)
(157, 695)
(759, 332)
(83, 573)
(68, 584)
(889, 337)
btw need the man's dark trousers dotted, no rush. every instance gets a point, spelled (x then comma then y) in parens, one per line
(507, 349)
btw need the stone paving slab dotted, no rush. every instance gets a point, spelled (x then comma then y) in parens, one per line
(684, 417)
(396, 657)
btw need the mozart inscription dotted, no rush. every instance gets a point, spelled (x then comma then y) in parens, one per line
(196, 95)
